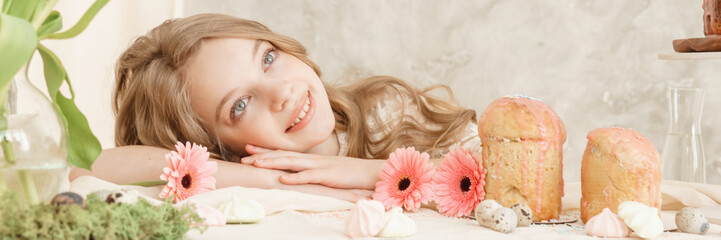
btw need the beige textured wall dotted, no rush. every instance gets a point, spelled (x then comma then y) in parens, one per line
(594, 61)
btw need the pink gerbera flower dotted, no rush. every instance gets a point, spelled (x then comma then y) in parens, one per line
(189, 172)
(458, 183)
(405, 180)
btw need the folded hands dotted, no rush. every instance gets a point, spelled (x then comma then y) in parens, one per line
(348, 178)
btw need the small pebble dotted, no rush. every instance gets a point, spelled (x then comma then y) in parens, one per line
(504, 220)
(484, 211)
(691, 220)
(524, 214)
(67, 198)
(123, 196)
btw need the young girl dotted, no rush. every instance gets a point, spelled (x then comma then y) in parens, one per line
(255, 100)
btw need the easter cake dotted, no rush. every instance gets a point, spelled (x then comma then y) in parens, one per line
(618, 165)
(522, 141)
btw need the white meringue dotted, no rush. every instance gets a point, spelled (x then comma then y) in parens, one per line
(644, 220)
(242, 211)
(398, 225)
(607, 224)
(366, 219)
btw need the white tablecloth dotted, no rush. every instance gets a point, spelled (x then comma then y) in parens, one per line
(294, 215)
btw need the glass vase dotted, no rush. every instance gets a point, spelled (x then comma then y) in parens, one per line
(34, 150)
(682, 154)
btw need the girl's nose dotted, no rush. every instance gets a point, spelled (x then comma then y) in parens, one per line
(278, 94)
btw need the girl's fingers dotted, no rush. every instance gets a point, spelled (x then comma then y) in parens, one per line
(292, 163)
(252, 149)
(264, 153)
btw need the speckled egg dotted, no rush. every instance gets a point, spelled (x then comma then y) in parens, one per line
(484, 211)
(504, 220)
(102, 194)
(67, 198)
(691, 220)
(123, 196)
(524, 214)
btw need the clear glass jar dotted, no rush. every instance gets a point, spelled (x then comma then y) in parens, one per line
(682, 155)
(34, 149)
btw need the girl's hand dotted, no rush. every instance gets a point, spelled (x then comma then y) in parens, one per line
(330, 171)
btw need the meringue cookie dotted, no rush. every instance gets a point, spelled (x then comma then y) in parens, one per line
(484, 211)
(242, 211)
(691, 220)
(607, 224)
(398, 225)
(366, 219)
(644, 220)
(210, 215)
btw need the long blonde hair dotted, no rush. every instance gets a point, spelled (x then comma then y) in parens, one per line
(152, 106)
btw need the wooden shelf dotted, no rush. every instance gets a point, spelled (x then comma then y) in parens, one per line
(689, 56)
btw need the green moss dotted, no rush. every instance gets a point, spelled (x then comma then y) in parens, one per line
(99, 220)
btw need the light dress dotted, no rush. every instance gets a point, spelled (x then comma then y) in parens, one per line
(389, 110)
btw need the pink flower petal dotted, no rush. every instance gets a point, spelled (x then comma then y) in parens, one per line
(188, 160)
(451, 199)
(405, 163)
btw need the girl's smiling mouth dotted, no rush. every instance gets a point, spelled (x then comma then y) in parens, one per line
(302, 114)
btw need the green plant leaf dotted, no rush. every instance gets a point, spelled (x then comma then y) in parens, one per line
(6, 5)
(23, 9)
(51, 25)
(17, 45)
(83, 146)
(82, 23)
(53, 69)
(152, 183)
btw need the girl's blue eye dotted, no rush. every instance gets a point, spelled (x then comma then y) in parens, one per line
(238, 107)
(268, 58)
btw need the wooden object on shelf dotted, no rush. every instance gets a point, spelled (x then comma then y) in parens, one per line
(712, 17)
(707, 44)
